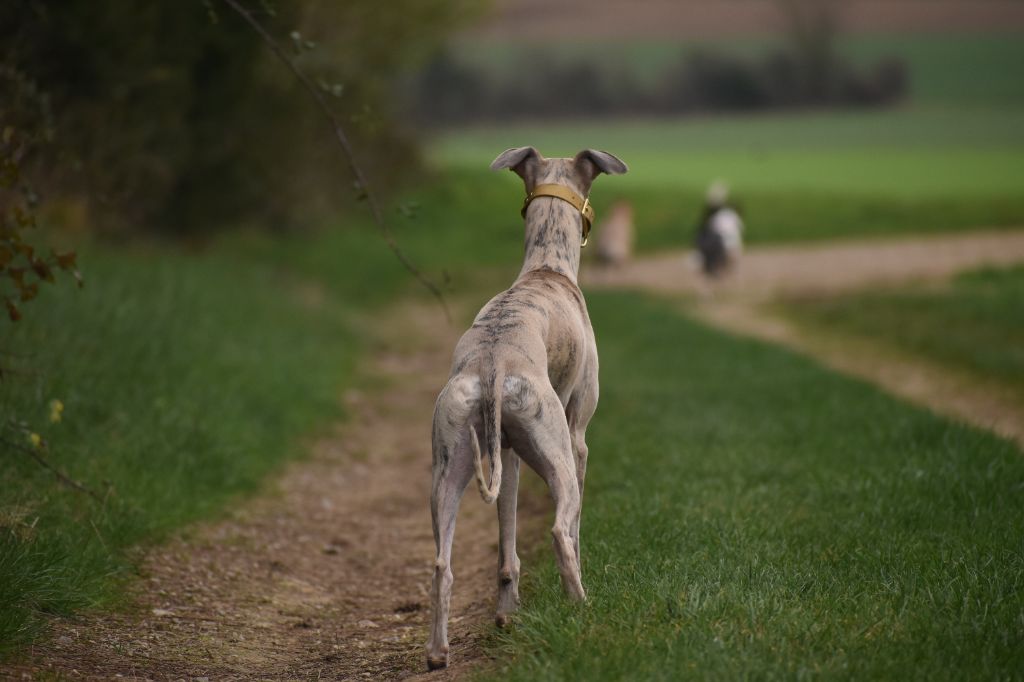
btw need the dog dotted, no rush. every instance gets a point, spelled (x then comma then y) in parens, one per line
(720, 233)
(615, 238)
(523, 384)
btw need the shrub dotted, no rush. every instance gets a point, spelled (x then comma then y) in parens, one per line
(174, 114)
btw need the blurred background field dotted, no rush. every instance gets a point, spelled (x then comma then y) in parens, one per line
(975, 323)
(230, 268)
(946, 156)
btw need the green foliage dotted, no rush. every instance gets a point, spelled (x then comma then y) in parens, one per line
(958, 69)
(25, 122)
(947, 69)
(167, 117)
(976, 325)
(452, 91)
(749, 515)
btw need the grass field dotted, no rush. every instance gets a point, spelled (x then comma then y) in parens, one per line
(751, 515)
(185, 380)
(950, 158)
(166, 360)
(976, 325)
(750, 536)
(903, 153)
(797, 177)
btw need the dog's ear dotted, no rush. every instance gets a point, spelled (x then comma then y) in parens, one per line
(592, 162)
(522, 161)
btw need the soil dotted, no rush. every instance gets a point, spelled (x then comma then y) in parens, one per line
(743, 304)
(326, 575)
(827, 268)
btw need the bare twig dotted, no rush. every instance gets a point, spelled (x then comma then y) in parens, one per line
(61, 476)
(346, 147)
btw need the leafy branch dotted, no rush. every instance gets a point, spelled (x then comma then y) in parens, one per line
(23, 267)
(362, 187)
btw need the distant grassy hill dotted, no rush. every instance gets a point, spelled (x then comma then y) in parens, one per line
(807, 176)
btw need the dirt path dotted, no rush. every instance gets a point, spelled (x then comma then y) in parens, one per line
(325, 577)
(828, 268)
(774, 273)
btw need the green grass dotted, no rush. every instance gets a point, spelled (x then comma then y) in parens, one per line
(798, 177)
(907, 154)
(749, 515)
(977, 325)
(185, 380)
(482, 210)
(188, 378)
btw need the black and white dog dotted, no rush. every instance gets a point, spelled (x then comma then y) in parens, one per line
(720, 233)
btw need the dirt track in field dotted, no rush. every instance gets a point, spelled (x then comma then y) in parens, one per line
(324, 577)
(741, 305)
(832, 267)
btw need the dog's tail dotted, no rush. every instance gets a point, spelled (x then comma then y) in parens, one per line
(490, 406)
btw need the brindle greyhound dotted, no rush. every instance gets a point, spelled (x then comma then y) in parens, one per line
(524, 377)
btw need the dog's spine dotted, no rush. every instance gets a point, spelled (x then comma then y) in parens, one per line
(490, 406)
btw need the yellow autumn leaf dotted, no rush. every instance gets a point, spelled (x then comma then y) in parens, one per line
(56, 410)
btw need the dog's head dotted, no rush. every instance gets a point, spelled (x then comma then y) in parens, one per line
(577, 173)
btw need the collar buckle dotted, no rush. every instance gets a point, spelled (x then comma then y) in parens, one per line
(581, 204)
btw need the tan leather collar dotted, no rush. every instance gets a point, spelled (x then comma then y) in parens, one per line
(581, 204)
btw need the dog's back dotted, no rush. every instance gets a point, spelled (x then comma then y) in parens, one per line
(542, 314)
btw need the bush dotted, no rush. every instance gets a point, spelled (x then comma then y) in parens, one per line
(176, 115)
(449, 92)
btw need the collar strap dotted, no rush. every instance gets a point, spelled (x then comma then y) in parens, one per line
(581, 204)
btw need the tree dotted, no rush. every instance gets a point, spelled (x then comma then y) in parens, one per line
(811, 28)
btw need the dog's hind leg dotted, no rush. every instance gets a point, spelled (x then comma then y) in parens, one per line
(452, 473)
(551, 455)
(566, 494)
(578, 413)
(508, 560)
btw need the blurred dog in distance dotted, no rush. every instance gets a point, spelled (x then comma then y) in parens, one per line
(720, 233)
(615, 235)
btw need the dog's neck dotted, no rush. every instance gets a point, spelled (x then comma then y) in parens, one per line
(553, 236)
